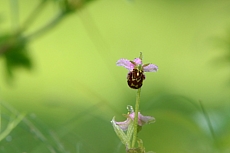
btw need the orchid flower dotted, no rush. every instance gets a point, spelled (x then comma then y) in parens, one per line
(136, 71)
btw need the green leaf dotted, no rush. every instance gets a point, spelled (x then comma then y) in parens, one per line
(120, 133)
(14, 50)
(11, 126)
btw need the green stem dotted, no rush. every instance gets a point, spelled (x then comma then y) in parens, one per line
(136, 117)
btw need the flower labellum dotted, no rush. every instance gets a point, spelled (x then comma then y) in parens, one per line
(135, 78)
(136, 71)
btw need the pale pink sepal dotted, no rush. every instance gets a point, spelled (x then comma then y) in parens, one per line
(138, 61)
(150, 68)
(126, 64)
(142, 120)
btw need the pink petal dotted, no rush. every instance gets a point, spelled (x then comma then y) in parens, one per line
(145, 119)
(150, 68)
(124, 125)
(138, 61)
(126, 64)
(142, 119)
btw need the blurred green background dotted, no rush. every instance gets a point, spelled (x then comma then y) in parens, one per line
(73, 88)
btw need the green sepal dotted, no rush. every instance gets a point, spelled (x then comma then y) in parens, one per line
(130, 133)
(120, 133)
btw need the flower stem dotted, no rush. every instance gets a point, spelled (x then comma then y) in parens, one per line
(48, 26)
(136, 117)
(33, 15)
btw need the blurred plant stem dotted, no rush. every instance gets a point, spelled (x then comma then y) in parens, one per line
(52, 23)
(210, 126)
(43, 137)
(32, 16)
(15, 14)
(11, 125)
(136, 117)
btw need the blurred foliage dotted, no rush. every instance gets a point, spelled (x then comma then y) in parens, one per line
(224, 45)
(29, 132)
(14, 51)
(193, 120)
(14, 46)
(180, 122)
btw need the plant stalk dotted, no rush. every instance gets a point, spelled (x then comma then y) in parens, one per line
(136, 117)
